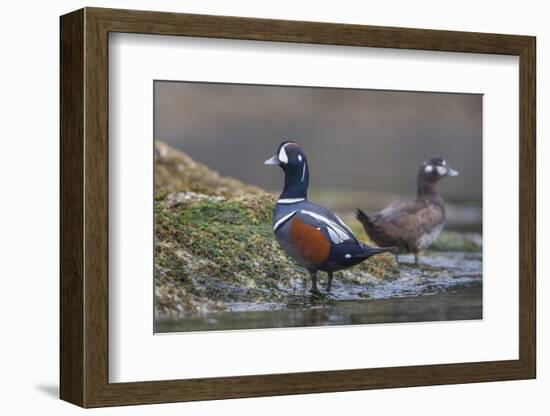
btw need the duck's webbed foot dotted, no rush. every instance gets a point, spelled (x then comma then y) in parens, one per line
(314, 288)
(316, 294)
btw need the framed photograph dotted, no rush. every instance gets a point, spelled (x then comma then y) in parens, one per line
(255, 207)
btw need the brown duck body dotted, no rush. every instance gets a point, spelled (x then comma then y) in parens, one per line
(413, 225)
(410, 226)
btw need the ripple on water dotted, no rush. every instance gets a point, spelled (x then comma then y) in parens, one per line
(435, 273)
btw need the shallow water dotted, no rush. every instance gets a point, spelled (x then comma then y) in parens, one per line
(446, 286)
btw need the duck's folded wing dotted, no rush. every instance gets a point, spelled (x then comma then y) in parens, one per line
(333, 228)
(407, 218)
(333, 218)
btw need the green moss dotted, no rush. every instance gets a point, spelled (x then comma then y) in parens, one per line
(232, 236)
(454, 241)
(209, 252)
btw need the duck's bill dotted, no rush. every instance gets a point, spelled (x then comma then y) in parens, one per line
(452, 172)
(273, 161)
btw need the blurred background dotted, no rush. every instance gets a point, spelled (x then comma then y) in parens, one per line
(364, 146)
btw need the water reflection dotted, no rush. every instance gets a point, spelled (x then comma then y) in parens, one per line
(462, 302)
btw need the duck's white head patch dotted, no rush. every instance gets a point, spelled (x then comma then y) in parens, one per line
(442, 170)
(283, 157)
(428, 168)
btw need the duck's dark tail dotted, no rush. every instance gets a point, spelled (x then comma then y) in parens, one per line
(363, 219)
(371, 251)
(368, 251)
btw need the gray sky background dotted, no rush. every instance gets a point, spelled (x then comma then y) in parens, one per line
(354, 139)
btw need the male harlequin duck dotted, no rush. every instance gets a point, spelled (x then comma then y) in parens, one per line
(411, 226)
(312, 235)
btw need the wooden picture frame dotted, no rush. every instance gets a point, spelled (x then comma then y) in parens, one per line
(84, 207)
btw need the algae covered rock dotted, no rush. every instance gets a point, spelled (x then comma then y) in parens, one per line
(211, 251)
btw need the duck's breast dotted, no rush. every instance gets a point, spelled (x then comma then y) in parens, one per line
(305, 243)
(427, 237)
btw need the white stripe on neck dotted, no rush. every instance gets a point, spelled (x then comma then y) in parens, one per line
(290, 200)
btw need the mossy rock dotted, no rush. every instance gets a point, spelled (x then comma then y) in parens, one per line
(175, 171)
(212, 250)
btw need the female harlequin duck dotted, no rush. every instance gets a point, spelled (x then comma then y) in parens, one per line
(312, 235)
(411, 226)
